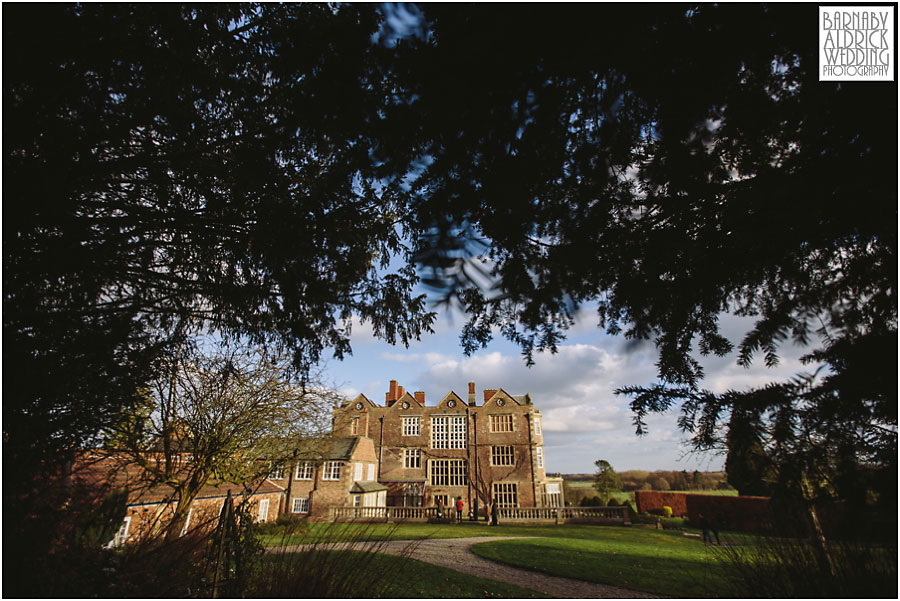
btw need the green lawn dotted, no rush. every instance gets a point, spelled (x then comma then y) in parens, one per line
(348, 573)
(652, 561)
(714, 491)
(326, 532)
(642, 559)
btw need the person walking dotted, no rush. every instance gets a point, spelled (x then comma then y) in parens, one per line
(704, 526)
(459, 510)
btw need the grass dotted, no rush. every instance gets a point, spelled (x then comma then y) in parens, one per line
(713, 491)
(651, 561)
(323, 532)
(409, 578)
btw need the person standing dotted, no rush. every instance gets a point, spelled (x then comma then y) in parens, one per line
(704, 526)
(459, 510)
(494, 514)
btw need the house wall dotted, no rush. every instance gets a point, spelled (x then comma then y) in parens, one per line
(384, 425)
(324, 493)
(147, 520)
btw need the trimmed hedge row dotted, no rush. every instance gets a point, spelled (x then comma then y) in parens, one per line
(652, 501)
(749, 514)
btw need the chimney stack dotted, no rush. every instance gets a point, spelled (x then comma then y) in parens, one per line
(399, 392)
(420, 396)
(471, 394)
(488, 393)
(393, 390)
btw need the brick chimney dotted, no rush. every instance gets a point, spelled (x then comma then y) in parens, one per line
(399, 392)
(391, 395)
(488, 393)
(471, 394)
(420, 396)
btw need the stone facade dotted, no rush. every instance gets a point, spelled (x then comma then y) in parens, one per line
(457, 448)
(342, 472)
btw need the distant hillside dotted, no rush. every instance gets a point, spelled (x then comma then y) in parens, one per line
(658, 480)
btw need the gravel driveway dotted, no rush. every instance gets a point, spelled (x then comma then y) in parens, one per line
(456, 554)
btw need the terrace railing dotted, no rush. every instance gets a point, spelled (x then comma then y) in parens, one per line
(564, 514)
(558, 515)
(341, 513)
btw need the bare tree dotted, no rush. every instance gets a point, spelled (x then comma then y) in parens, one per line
(231, 415)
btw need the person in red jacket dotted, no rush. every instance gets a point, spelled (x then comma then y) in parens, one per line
(459, 509)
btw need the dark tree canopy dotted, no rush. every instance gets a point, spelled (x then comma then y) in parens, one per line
(252, 169)
(683, 164)
(169, 167)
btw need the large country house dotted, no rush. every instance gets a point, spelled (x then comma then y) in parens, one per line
(405, 453)
(400, 454)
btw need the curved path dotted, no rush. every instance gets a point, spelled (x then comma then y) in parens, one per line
(456, 554)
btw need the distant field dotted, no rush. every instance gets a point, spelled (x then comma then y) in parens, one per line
(590, 484)
(717, 491)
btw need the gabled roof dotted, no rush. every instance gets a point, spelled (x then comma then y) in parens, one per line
(339, 448)
(116, 473)
(405, 398)
(502, 394)
(360, 398)
(451, 396)
(367, 486)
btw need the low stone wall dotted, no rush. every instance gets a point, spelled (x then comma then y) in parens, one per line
(555, 515)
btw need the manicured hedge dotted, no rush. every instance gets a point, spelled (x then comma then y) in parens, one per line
(748, 514)
(652, 501)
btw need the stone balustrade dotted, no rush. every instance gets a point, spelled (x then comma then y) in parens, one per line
(558, 515)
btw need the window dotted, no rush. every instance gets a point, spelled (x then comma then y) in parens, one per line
(502, 423)
(371, 470)
(537, 425)
(354, 426)
(121, 534)
(357, 500)
(502, 455)
(304, 471)
(357, 471)
(448, 432)
(553, 497)
(332, 470)
(442, 500)
(539, 457)
(300, 505)
(448, 472)
(410, 426)
(263, 510)
(412, 458)
(505, 494)
(276, 472)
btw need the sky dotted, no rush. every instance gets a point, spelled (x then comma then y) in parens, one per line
(583, 420)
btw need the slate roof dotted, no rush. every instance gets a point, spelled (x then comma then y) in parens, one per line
(368, 486)
(114, 473)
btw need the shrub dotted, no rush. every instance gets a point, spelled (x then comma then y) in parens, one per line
(666, 511)
(793, 568)
(325, 568)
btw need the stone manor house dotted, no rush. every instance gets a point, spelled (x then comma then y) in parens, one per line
(408, 454)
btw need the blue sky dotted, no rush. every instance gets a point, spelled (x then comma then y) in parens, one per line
(583, 420)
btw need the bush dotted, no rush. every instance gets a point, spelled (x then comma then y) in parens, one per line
(325, 569)
(793, 568)
(673, 523)
(666, 511)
